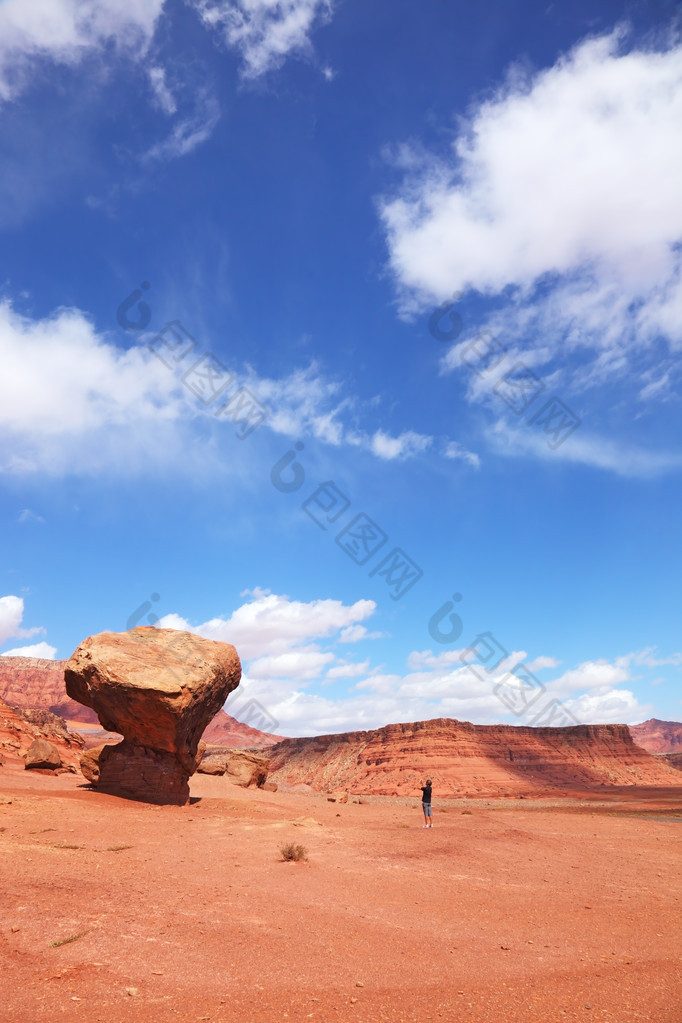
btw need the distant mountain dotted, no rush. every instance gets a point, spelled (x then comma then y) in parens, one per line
(35, 683)
(658, 736)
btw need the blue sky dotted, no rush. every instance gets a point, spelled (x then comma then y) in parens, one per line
(315, 316)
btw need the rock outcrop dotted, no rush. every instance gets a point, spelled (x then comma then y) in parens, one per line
(159, 688)
(658, 736)
(465, 759)
(19, 728)
(243, 767)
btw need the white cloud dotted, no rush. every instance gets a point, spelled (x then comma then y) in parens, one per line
(43, 650)
(64, 31)
(26, 515)
(561, 194)
(345, 669)
(272, 624)
(264, 31)
(407, 444)
(306, 402)
(455, 450)
(189, 131)
(163, 95)
(301, 664)
(11, 616)
(585, 449)
(71, 402)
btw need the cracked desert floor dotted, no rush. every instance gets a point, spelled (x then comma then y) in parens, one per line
(506, 910)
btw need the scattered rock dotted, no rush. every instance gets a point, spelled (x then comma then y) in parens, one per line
(90, 764)
(270, 786)
(247, 768)
(213, 765)
(42, 753)
(158, 688)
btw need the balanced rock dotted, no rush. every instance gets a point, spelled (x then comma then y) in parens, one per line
(42, 754)
(158, 688)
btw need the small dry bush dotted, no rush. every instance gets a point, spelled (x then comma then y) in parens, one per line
(67, 941)
(293, 853)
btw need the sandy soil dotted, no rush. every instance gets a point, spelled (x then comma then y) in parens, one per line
(515, 911)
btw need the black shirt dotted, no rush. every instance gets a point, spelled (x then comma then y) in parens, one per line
(426, 793)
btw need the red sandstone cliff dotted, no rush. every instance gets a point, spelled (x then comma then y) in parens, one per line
(34, 682)
(658, 736)
(466, 759)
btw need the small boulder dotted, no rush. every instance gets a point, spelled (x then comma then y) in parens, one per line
(90, 764)
(42, 754)
(247, 769)
(213, 765)
(269, 786)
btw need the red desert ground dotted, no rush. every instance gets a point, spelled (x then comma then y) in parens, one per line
(547, 890)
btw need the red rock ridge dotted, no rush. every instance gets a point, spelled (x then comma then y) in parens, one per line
(658, 736)
(227, 731)
(465, 759)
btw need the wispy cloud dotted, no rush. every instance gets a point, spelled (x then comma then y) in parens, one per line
(265, 32)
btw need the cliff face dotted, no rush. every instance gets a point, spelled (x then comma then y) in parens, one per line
(32, 682)
(466, 759)
(658, 736)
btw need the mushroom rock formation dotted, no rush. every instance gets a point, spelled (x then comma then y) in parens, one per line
(158, 688)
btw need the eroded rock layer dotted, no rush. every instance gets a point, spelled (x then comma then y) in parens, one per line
(158, 688)
(465, 759)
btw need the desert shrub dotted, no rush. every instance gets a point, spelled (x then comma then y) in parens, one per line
(293, 852)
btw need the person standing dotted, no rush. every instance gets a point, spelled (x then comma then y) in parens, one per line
(426, 804)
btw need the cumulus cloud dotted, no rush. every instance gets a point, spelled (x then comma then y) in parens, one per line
(11, 617)
(69, 400)
(560, 196)
(271, 625)
(44, 650)
(64, 31)
(265, 32)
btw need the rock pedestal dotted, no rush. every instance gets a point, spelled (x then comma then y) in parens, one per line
(158, 688)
